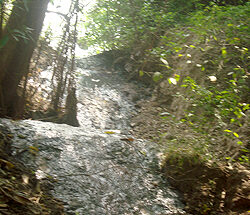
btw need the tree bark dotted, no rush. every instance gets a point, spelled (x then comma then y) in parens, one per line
(23, 29)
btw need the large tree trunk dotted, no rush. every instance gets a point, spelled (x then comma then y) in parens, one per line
(23, 29)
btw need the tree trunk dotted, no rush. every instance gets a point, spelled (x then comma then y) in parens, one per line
(23, 29)
(71, 109)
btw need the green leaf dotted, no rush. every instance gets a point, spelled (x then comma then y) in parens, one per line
(235, 134)
(177, 77)
(164, 61)
(4, 41)
(232, 120)
(224, 52)
(34, 148)
(141, 73)
(227, 131)
(172, 81)
(244, 150)
(157, 76)
(240, 142)
(246, 107)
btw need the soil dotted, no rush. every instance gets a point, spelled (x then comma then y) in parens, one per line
(20, 191)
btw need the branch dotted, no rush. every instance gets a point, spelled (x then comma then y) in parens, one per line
(58, 13)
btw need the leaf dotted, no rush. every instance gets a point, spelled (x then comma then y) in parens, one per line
(143, 153)
(235, 134)
(157, 76)
(212, 78)
(232, 120)
(229, 131)
(177, 77)
(240, 142)
(244, 150)
(224, 52)
(21, 136)
(165, 113)
(109, 132)
(130, 139)
(4, 41)
(172, 81)
(141, 73)
(246, 107)
(34, 148)
(164, 61)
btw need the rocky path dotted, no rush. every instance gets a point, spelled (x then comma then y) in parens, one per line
(98, 168)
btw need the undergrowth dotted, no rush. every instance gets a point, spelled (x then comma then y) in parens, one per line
(215, 81)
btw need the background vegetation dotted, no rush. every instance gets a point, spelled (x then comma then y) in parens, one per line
(200, 46)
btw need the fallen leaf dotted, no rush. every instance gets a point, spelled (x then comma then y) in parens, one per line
(34, 148)
(21, 136)
(109, 132)
(128, 139)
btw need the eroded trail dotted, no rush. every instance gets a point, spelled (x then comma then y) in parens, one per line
(97, 170)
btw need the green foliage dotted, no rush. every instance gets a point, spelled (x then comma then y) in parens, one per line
(121, 24)
(221, 34)
(157, 76)
(163, 29)
(220, 106)
(226, 20)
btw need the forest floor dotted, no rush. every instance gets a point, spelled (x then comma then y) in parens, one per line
(207, 187)
(20, 191)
